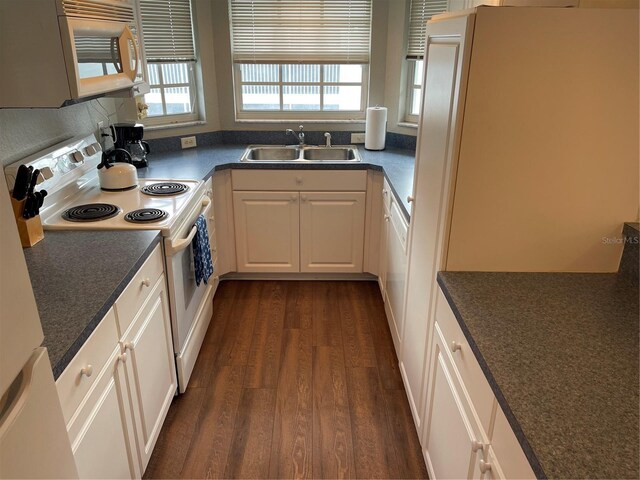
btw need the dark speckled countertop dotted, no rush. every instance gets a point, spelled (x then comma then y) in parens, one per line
(560, 351)
(201, 162)
(76, 277)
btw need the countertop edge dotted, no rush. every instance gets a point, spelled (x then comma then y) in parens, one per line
(79, 342)
(502, 401)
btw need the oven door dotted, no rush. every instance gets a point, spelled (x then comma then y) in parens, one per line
(186, 298)
(100, 56)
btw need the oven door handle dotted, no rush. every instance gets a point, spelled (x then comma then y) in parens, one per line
(178, 245)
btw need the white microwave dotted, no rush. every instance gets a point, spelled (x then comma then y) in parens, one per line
(59, 52)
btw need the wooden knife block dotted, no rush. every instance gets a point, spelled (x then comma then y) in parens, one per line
(30, 230)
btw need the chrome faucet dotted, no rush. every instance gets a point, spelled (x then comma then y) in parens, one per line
(300, 134)
(327, 142)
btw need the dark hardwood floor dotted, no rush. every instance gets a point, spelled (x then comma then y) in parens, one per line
(294, 380)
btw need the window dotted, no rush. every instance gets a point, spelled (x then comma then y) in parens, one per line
(296, 59)
(169, 50)
(420, 12)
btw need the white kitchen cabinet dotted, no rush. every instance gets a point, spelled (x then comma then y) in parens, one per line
(150, 369)
(101, 431)
(448, 435)
(445, 68)
(267, 231)
(384, 233)
(332, 231)
(116, 391)
(466, 434)
(395, 271)
(290, 221)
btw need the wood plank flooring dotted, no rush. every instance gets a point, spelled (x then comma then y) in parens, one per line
(294, 380)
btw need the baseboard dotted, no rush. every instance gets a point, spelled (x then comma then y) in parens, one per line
(300, 276)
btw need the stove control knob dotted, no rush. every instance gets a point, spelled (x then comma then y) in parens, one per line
(77, 156)
(46, 173)
(92, 149)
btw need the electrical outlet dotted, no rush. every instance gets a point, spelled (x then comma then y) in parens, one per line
(357, 138)
(188, 142)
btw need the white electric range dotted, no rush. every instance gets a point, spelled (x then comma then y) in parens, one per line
(76, 202)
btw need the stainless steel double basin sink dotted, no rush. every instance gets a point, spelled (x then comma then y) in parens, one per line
(301, 154)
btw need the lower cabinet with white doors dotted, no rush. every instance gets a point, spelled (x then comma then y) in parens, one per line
(393, 263)
(116, 391)
(466, 434)
(299, 221)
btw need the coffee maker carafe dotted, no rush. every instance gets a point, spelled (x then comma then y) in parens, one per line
(129, 137)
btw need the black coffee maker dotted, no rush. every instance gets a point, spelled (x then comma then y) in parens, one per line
(129, 138)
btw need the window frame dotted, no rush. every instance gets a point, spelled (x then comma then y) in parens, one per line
(168, 119)
(295, 115)
(411, 90)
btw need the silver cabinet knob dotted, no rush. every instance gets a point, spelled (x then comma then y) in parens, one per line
(387, 218)
(128, 346)
(303, 198)
(385, 193)
(455, 346)
(146, 282)
(123, 358)
(294, 198)
(87, 371)
(298, 180)
(484, 466)
(410, 199)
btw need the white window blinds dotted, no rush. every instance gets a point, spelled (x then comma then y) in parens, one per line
(167, 30)
(300, 31)
(420, 12)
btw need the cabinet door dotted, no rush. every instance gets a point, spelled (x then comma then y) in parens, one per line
(446, 64)
(102, 434)
(382, 262)
(332, 231)
(448, 433)
(151, 370)
(267, 231)
(396, 272)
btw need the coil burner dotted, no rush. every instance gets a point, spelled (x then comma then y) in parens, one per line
(91, 212)
(145, 215)
(164, 188)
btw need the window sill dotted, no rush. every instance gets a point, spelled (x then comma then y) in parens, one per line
(167, 126)
(305, 120)
(408, 125)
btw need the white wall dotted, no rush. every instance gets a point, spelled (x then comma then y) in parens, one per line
(26, 131)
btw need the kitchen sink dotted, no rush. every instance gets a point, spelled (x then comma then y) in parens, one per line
(271, 154)
(304, 154)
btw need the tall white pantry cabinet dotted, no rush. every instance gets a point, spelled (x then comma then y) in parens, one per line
(527, 154)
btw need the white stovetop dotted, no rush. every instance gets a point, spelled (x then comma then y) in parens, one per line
(128, 201)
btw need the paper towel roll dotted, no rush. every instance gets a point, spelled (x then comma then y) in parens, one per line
(376, 128)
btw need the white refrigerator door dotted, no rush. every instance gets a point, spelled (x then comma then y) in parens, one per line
(20, 330)
(33, 439)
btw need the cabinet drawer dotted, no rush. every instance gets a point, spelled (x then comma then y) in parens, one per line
(138, 290)
(73, 384)
(465, 362)
(299, 180)
(387, 193)
(399, 225)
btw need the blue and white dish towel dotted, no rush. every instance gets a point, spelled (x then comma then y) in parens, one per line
(202, 252)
